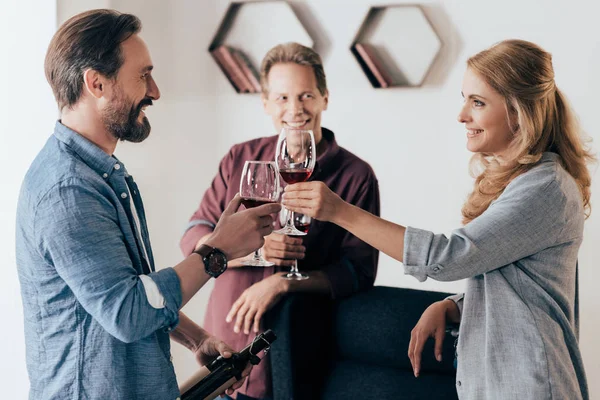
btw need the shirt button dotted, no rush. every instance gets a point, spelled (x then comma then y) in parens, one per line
(458, 383)
(171, 358)
(123, 195)
(105, 175)
(117, 166)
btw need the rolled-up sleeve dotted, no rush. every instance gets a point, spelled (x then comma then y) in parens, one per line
(78, 233)
(527, 218)
(357, 268)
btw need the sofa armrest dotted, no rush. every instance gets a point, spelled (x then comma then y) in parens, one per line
(374, 327)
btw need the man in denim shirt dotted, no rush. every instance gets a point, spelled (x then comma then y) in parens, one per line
(97, 314)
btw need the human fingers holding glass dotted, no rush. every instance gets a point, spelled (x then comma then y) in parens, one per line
(282, 250)
(238, 233)
(314, 199)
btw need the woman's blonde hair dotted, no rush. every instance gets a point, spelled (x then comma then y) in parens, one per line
(541, 119)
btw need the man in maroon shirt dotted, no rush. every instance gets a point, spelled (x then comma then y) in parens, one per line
(294, 95)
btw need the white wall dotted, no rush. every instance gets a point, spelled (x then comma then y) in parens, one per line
(27, 110)
(410, 137)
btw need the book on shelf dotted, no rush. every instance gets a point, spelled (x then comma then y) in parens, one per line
(248, 70)
(232, 70)
(373, 64)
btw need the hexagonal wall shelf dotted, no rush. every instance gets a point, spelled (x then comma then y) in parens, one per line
(247, 32)
(396, 46)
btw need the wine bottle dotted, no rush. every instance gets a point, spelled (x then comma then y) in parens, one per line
(214, 378)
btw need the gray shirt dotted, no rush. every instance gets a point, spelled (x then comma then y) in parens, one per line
(518, 333)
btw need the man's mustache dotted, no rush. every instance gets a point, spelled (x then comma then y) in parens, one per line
(143, 103)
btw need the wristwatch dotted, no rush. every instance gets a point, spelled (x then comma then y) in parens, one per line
(215, 261)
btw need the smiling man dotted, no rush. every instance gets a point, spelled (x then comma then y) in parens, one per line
(98, 315)
(294, 94)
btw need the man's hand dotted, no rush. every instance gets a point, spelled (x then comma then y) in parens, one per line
(282, 250)
(240, 233)
(431, 324)
(250, 307)
(209, 349)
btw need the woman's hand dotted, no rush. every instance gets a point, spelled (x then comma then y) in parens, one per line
(314, 199)
(431, 324)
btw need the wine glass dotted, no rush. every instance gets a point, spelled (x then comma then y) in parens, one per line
(295, 157)
(301, 223)
(259, 185)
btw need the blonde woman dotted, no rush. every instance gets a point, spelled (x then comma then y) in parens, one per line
(523, 226)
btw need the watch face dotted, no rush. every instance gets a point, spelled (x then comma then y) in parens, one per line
(216, 262)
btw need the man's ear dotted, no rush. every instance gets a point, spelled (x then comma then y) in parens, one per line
(326, 100)
(94, 83)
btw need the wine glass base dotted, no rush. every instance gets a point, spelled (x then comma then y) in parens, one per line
(257, 263)
(295, 276)
(290, 231)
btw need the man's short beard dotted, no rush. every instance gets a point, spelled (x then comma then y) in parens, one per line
(123, 124)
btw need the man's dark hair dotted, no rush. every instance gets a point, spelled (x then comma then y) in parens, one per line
(88, 40)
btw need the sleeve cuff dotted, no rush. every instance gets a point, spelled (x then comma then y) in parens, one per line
(168, 283)
(459, 300)
(417, 244)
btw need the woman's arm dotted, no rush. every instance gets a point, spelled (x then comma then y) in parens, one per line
(526, 219)
(318, 201)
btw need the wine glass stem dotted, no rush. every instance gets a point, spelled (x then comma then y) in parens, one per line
(290, 220)
(294, 270)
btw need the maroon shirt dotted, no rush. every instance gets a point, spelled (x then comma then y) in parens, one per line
(349, 263)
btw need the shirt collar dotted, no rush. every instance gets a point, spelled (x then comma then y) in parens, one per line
(91, 154)
(549, 156)
(331, 150)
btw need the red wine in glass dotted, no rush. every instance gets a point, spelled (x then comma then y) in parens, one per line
(251, 203)
(295, 157)
(302, 227)
(292, 176)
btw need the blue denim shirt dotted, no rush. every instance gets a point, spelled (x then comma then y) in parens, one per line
(90, 330)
